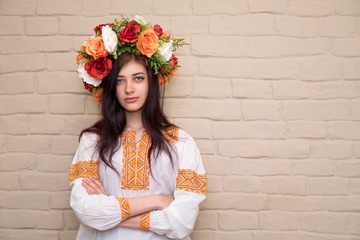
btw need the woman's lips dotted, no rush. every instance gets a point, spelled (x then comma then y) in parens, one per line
(131, 100)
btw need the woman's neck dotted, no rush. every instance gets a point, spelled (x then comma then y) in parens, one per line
(134, 121)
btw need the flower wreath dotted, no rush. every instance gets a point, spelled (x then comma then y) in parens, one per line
(95, 58)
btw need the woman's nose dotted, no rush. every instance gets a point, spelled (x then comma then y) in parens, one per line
(129, 87)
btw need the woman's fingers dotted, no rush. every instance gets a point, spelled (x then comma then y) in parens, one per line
(93, 186)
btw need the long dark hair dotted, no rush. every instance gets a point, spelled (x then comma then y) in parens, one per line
(113, 121)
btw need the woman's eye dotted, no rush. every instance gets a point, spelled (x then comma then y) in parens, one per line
(119, 81)
(139, 78)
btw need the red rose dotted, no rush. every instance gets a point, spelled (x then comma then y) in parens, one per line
(158, 30)
(97, 29)
(130, 33)
(88, 87)
(98, 68)
(174, 60)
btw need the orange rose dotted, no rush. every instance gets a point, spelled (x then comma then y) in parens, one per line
(97, 95)
(96, 48)
(148, 42)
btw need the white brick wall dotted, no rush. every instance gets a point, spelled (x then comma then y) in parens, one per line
(268, 88)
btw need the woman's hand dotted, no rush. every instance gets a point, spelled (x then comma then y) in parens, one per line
(163, 201)
(93, 186)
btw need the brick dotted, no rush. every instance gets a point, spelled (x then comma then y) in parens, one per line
(59, 82)
(15, 104)
(201, 234)
(60, 200)
(211, 88)
(74, 125)
(328, 186)
(36, 44)
(31, 234)
(344, 130)
(247, 202)
(241, 184)
(248, 68)
(53, 163)
(94, 9)
(260, 110)
(186, 25)
(278, 221)
(197, 128)
(251, 89)
(324, 222)
(9, 181)
(268, 149)
(172, 7)
(18, 219)
(266, 235)
(347, 7)
(214, 183)
(42, 26)
(17, 162)
(284, 185)
(33, 144)
(18, 7)
(71, 221)
(313, 8)
(91, 106)
(17, 83)
(232, 220)
(345, 237)
(316, 110)
(314, 168)
(63, 181)
(343, 204)
(355, 185)
(347, 47)
(34, 200)
(17, 124)
(261, 167)
(306, 129)
(68, 104)
(331, 90)
(337, 26)
(179, 87)
(270, 6)
(357, 150)
(226, 109)
(189, 66)
(351, 69)
(295, 26)
(46, 124)
(321, 68)
(243, 235)
(232, 7)
(281, 90)
(218, 46)
(22, 62)
(64, 145)
(11, 26)
(217, 165)
(242, 25)
(71, 25)
(130, 7)
(2, 144)
(256, 129)
(332, 150)
(67, 60)
(354, 226)
(311, 236)
(68, 234)
(53, 7)
(206, 146)
(39, 181)
(277, 46)
(51, 220)
(207, 220)
(296, 203)
(348, 169)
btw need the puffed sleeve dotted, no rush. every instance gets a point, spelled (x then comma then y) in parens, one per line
(178, 219)
(100, 212)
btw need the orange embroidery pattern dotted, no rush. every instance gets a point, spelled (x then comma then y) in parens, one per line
(190, 181)
(83, 169)
(145, 221)
(135, 173)
(125, 208)
(172, 134)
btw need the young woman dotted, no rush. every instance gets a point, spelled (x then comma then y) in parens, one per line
(135, 175)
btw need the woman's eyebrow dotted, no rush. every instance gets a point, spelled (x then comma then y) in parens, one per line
(133, 74)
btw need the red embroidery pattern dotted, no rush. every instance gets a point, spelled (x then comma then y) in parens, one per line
(135, 173)
(145, 221)
(125, 208)
(83, 169)
(190, 181)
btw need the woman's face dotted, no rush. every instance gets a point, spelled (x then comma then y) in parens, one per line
(132, 86)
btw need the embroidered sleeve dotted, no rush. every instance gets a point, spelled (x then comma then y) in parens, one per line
(178, 219)
(125, 208)
(145, 221)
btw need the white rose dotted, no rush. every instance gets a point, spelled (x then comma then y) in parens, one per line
(110, 39)
(86, 77)
(140, 20)
(166, 50)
